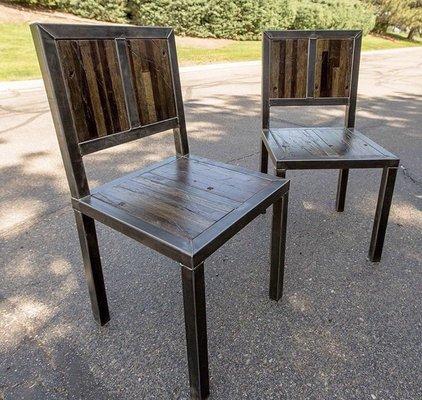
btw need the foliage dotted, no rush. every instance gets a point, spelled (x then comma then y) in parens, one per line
(334, 14)
(404, 14)
(231, 19)
(238, 19)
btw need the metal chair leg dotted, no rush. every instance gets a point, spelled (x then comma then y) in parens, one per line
(264, 163)
(385, 197)
(264, 158)
(341, 189)
(278, 245)
(93, 269)
(196, 330)
(281, 173)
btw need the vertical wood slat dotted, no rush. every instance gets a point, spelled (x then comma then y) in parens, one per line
(153, 81)
(104, 82)
(266, 81)
(94, 84)
(301, 68)
(288, 68)
(311, 67)
(116, 84)
(333, 64)
(126, 75)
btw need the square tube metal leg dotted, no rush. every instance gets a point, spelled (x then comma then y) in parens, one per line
(281, 173)
(264, 162)
(278, 246)
(196, 330)
(93, 269)
(264, 158)
(341, 189)
(385, 197)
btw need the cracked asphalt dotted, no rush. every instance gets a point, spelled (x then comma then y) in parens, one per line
(345, 329)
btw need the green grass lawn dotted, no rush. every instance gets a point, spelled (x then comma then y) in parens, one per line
(18, 60)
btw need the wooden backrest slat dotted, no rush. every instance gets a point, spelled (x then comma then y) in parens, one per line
(128, 84)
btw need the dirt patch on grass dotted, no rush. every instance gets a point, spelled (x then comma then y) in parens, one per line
(12, 13)
(207, 43)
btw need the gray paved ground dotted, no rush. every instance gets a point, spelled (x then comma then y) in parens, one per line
(346, 328)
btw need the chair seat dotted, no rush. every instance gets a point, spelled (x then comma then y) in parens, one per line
(187, 206)
(309, 148)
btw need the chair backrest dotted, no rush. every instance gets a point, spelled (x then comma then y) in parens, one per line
(108, 85)
(310, 68)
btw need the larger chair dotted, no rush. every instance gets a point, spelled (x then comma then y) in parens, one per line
(108, 85)
(321, 68)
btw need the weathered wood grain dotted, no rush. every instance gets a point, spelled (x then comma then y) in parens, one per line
(183, 198)
(95, 86)
(333, 64)
(288, 68)
(322, 145)
(152, 76)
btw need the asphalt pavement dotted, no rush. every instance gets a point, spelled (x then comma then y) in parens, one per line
(345, 329)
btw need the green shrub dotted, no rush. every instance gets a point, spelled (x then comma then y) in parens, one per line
(333, 14)
(238, 19)
(231, 19)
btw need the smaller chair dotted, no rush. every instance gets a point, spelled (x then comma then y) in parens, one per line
(108, 85)
(321, 68)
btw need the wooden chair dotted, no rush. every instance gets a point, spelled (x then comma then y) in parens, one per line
(108, 85)
(321, 68)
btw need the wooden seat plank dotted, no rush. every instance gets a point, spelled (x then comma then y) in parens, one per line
(323, 144)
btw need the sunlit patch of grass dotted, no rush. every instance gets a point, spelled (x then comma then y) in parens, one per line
(18, 59)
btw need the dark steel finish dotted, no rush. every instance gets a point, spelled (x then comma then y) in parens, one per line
(385, 197)
(326, 34)
(180, 134)
(265, 81)
(341, 189)
(112, 140)
(93, 269)
(351, 108)
(281, 173)
(264, 158)
(319, 101)
(331, 75)
(278, 244)
(108, 85)
(196, 330)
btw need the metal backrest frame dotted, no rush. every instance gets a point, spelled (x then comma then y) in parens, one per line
(298, 70)
(75, 82)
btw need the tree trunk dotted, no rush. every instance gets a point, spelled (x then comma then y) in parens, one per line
(412, 33)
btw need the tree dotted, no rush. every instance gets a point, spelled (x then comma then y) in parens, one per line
(404, 14)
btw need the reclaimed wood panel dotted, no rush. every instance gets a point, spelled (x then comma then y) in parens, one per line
(333, 63)
(323, 143)
(288, 68)
(151, 73)
(95, 87)
(182, 198)
(95, 91)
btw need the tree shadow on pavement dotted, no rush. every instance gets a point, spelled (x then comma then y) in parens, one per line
(344, 326)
